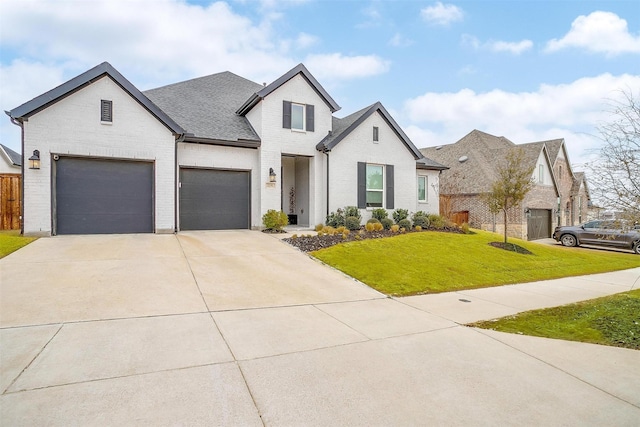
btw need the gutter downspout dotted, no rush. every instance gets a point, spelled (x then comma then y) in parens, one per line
(175, 183)
(19, 124)
(327, 204)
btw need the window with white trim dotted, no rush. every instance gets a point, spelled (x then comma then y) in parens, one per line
(422, 188)
(375, 186)
(297, 116)
(541, 174)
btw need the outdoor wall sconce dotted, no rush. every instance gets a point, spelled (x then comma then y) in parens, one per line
(272, 175)
(34, 161)
(527, 212)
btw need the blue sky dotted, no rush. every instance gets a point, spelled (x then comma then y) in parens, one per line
(526, 70)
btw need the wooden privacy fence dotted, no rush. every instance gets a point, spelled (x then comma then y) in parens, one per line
(10, 201)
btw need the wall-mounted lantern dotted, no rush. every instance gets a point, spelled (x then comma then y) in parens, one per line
(272, 175)
(527, 212)
(34, 161)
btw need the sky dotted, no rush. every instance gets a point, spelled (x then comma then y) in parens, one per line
(526, 70)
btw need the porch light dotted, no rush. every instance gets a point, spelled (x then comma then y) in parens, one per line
(34, 161)
(272, 175)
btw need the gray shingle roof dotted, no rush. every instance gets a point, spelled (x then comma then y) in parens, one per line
(99, 71)
(14, 158)
(206, 106)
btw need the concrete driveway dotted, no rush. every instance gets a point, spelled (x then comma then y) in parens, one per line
(237, 328)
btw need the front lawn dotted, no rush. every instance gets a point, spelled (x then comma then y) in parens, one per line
(11, 241)
(611, 320)
(431, 262)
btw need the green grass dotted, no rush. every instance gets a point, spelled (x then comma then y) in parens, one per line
(430, 262)
(611, 320)
(11, 241)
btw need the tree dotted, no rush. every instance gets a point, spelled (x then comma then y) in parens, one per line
(513, 183)
(615, 174)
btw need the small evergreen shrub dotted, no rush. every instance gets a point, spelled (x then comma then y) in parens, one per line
(373, 220)
(377, 226)
(403, 230)
(387, 223)
(335, 219)
(400, 214)
(352, 211)
(352, 223)
(369, 226)
(295, 236)
(275, 220)
(436, 221)
(395, 228)
(405, 223)
(379, 214)
(420, 218)
(418, 228)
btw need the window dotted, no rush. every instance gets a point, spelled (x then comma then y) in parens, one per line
(422, 188)
(375, 134)
(106, 111)
(375, 186)
(297, 116)
(560, 171)
(541, 174)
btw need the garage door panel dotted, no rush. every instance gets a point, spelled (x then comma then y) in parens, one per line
(101, 196)
(214, 199)
(539, 224)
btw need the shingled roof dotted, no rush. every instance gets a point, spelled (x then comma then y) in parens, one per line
(473, 161)
(12, 156)
(206, 108)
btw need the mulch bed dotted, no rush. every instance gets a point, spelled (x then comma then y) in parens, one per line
(511, 247)
(314, 243)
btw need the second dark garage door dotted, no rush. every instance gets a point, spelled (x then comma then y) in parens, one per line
(102, 196)
(539, 224)
(214, 199)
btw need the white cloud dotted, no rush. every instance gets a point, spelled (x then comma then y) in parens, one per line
(515, 48)
(570, 111)
(442, 14)
(398, 40)
(599, 32)
(335, 66)
(304, 41)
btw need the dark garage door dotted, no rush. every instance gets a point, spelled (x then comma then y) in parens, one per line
(539, 224)
(100, 196)
(214, 199)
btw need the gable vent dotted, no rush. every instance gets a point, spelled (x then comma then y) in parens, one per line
(463, 159)
(106, 111)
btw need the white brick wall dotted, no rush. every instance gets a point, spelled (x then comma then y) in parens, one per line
(218, 157)
(432, 205)
(72, 127)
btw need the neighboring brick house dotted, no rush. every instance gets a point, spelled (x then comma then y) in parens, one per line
(473, 162)
(214, 152)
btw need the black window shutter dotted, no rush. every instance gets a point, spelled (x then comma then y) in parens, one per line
(286, 114)
(106, 111)
(310, 119)
(362, 185)
(390, 195)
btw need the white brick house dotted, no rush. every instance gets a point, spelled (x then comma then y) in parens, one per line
(201, 154)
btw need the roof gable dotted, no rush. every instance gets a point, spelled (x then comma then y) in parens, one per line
(266, 90)
(14, 158)
(39, 103)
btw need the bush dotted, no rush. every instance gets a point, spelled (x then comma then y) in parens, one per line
(400, 214)
(340, 229)
(418, 228)
(377, 226)
(387, 223)
(436, 221)
(275, 220)
(420, 218)
(352, 223)
(373, 220)
(329, 230)
(405, 223)
(395, 228)
(335, 219)
(379, 214)
(319, 227)
(352, 211)
(369, 226)
(465, 228)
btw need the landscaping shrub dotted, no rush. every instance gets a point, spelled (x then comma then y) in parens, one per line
(400, 214)
(395, 228)
(465, 228)
(373, 220)
(352, 223)
(340, 230)
(319, 227)
(436, 221)
(329, 230)
(379, 214)
(369, 226)
(335, 219)
(387, 223)
(352, 211)
(418, 228)
(405, 223)
(377, 226)
(420, 218)
(275, 220)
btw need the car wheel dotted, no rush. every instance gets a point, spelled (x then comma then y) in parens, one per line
(569, 240)
(636, 248)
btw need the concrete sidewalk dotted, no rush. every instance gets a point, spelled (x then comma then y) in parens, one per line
(182, 341)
